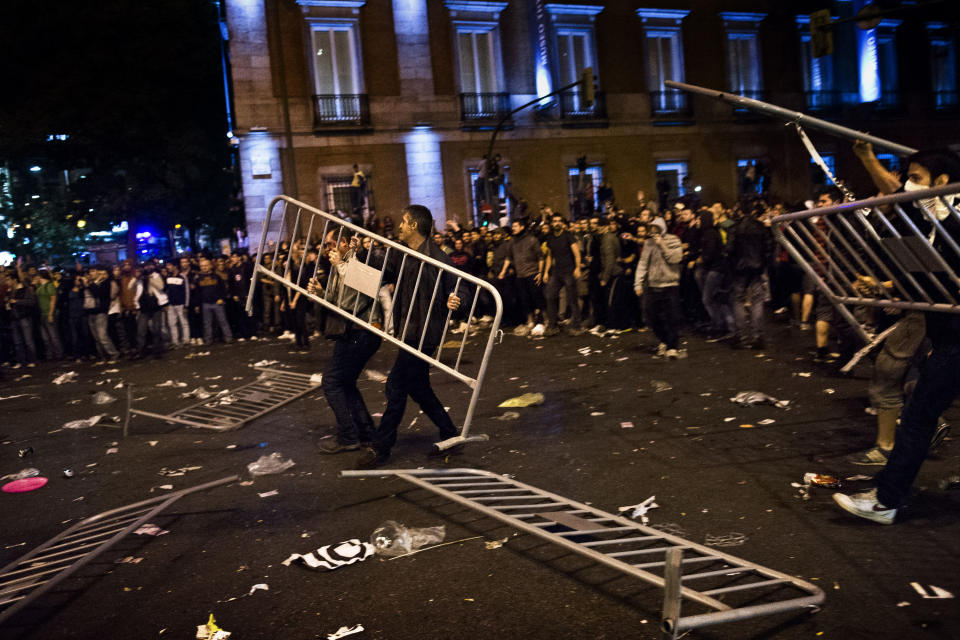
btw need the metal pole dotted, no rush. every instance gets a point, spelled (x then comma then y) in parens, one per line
(671, 593)
(787, 115)
(126, 418)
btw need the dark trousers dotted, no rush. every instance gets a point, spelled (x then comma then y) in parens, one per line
(241, 322)
(410, 376)
(151, 321)
(749, 288)
(351, 352)
(938, 386)
(300, 329)
(599, 299)
(556, 281)
(78, 336)
(661, 307)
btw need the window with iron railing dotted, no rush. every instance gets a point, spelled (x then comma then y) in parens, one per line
(574, 107)
(352, 110)
(339, 96)
(744, 71)
(669, 102)
(484, 106)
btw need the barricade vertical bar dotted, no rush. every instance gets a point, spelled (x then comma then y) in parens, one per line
(306, 247)
(466, 331)
(933, 279)
(864, 268)
(413, 297)
(876, 260)
(671, 593)
(446, 325)
(426, 323)
(383, 271)
(396, 286)
(906, 273)
(293, 234)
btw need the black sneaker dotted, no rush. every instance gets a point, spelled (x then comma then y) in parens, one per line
(874, 457)
(943, 429)
(333, 446)
(372, 459)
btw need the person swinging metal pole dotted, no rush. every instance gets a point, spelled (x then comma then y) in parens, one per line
(792, 116)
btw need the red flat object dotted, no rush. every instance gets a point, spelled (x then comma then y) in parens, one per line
(24, 484)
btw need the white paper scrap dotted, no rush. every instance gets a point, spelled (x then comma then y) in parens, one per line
(344, 631)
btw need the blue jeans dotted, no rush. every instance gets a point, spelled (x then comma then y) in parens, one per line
(351, 352)
(749, 288)
(23, 344)
(938, 386)
(98, 328)
(211, 311)
(51, 339)
(717, 302)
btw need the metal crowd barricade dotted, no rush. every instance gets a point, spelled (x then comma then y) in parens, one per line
(37, 572)
(300, 224)
(723, 587)
(889, 252)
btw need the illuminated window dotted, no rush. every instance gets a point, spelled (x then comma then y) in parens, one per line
(479, 63)
(663, 48)
(585, 183)
(671, 175)
(574, 45)
(818, 81)
(744, 72)
(943, 65)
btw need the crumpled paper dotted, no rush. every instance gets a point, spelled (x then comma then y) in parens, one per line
(526, 400)
(640, 510)
(747, 398)
(273, 463)
(344, 631)
(69, 376)
(84, 424)
(211, 631)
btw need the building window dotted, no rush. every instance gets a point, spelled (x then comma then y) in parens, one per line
(479, 64)
(751, 177)
(484, 212)
(574, 51)
(818, 84)
(582, 183)
(336, 62)
(671, 176)
(663, 47)
(744, 72)
(943, 66)
(337, 193)
(890, 161)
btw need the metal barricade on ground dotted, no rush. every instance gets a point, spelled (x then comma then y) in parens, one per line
(900, 251)
(302, 225)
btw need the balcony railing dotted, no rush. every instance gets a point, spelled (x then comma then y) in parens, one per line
(348, 111)
(670, 103)
(573, 108)
(823, 100)
(483, 106)
(946, 100)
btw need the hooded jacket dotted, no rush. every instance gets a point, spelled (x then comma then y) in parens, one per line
(659, 265)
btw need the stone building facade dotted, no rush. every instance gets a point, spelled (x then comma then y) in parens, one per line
(410, 90)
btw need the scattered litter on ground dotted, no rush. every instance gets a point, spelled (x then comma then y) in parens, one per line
(213, 377)
(173, 383)
(22, 377)
(198, 354)
(640, 510)
(316, 378)
(265, 363)
(375, 375)
(258, 587)
(626, 425)
(102, 397)
(584, 351)
(766, 421)
(829, 392)
(150, 530)
(29, 472)
(732, 539)
(84, 424)
(345, 631)
(153, 443)
(211, 631)
(670, 528)
(273, 463)
(821, 480)
(730, 419)
(14, 546)
(176, 473)
(393, 539)
(68, 473)
(330, 557)
(746, 426)
(25, 453)
(495, 544)
(19, 395)
(112, 450)
(69, 376)
(903, 604)
(660, 385)
(526, 400)
(199, 393)
(931, 592)
(128, 560)
(747, 398)
(597, 413)
(858, 478)
(803, 374)
(267, 494)
(508, 415)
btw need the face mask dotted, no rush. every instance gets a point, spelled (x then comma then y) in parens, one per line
(931, 205)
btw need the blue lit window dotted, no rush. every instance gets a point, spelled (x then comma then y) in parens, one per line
(943, 66)
(817, 72)
(890, 161)
(478, 195)
(744, 72)
(671, 174)
(818, 177)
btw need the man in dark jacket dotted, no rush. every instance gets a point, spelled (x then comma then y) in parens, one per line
(211, 295)
(419, 316)
(96, 301)
(749, 249)
(712, 264)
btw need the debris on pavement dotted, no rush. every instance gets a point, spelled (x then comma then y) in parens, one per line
(821, 480)
(265, 363)
(660, 386)
(747, 398)
(626, 425)
(829, 392)
(766, 421)
(858, 477)
(176, 473)
(69, 376)
(508, 415)
(24, 485)
(273, 463)
(102, 397)
(84, 424)
(495, 544)
(330, 557)
(199, 393)
(375, 375)
(68, 473)
(25, 453)
(316, 378)
(267, 494)
(803, 374)
(128, 560)
(150, 530)
(732, 539)
(640, 510)
(211, 631)
(597, 413)
(393, 539)
(931, 592)
(198, 354)
(173, 383)
(258, 587)
(345, 631)
(19, 395)
(526, 400)
(29, 472)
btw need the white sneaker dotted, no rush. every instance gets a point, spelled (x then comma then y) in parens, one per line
(661, 349)
(461, 328)
(241, 339)
(286, 335)
(537, 330)
(865, 505)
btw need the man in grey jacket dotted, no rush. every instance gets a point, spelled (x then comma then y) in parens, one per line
(658, 280)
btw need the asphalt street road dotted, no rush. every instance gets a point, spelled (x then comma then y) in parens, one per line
(715, 469)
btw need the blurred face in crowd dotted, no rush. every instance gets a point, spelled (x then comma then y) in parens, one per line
(557, 224)
(516, 228)
(686, 216)
(824, 199)
(205, 265)
(458, 245)
(594, 224)
(438, 239)
(184, 264)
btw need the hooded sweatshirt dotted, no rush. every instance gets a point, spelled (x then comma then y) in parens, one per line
(659, 265)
